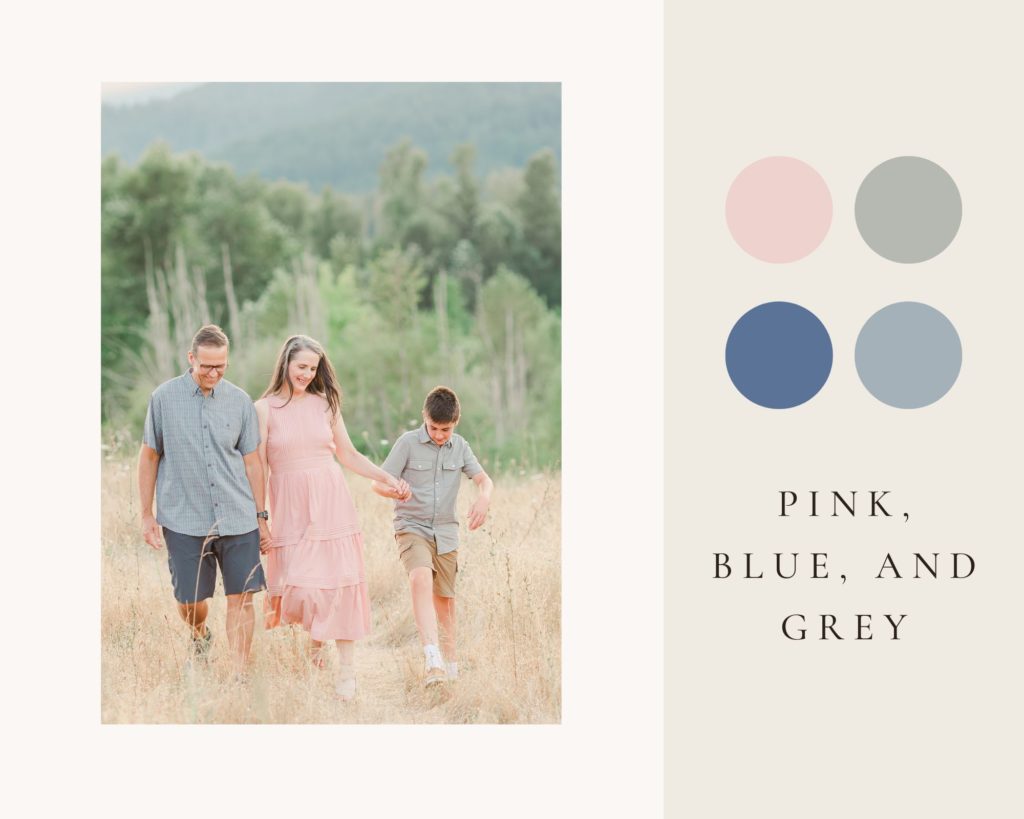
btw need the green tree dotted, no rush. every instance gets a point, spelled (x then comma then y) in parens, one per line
(540, 211)
(238, 244)
(144, 214)
(290, 204)
(499, 236)
(463, 207)
(395, 288)
(521, 344)
(401, 191)
(334, 216)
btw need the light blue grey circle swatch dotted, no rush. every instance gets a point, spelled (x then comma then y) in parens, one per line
(908, 355)
(908, 209)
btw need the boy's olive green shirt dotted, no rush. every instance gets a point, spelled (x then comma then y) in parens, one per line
(432, 473)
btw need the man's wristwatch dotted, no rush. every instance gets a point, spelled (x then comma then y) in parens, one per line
(264, 514)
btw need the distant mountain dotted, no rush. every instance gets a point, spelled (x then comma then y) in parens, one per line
(337, 133)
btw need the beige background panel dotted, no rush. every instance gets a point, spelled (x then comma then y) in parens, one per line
(929, 725)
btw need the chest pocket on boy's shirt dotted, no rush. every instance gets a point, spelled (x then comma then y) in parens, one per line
(419, 473)
(450, 471)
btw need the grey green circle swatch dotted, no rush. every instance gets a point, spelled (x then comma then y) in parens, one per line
(908, 209)
(908, 355)
(779, 355)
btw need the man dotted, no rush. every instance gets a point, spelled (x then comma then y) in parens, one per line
(200, 452)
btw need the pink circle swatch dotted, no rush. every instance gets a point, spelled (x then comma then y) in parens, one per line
(778, 209)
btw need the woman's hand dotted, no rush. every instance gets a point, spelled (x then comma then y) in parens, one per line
(265, 539)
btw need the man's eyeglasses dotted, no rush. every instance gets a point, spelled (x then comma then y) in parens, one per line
(209, 368)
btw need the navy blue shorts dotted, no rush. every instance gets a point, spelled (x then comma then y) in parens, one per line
(194, 566)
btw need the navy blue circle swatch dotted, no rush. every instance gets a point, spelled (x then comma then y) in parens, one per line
(779, 355)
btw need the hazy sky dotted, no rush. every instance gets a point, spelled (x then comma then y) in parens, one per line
(120, 93)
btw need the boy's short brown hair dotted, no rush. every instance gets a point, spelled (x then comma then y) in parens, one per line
(442, 406)
(209, 335)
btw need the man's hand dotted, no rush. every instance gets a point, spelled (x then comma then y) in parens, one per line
(478, 512)
(265, 539)
(151, 532)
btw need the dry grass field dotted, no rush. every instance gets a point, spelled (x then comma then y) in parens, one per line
(509, 619)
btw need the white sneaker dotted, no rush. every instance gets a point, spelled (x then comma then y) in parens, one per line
(345, 682)
(434, 670)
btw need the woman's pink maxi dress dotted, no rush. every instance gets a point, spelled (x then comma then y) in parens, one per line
(315, 571)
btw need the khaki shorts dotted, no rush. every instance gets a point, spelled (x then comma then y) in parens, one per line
(416, 551)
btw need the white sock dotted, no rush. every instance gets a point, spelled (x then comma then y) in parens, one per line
(433, 655)
(453, 670)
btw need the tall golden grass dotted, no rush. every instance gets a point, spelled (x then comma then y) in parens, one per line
(509, 626)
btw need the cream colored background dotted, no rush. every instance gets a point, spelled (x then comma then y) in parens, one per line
(756, 724)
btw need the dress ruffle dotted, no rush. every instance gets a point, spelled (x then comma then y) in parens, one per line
(321, 585)
(328, 614)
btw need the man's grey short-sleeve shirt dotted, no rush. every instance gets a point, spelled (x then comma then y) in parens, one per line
(433, 474)
(201, 485)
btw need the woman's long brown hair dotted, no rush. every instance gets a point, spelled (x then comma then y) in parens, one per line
(324, 383)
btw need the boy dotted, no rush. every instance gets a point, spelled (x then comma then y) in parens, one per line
(430, 459)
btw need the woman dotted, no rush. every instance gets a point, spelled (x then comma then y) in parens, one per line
(315, 574)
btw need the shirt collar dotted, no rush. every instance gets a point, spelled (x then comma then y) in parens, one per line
(195, 388)
(424, 437)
